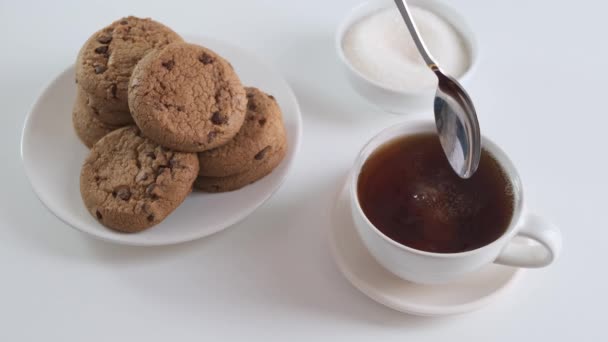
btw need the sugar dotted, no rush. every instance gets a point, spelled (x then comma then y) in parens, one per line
(381, 48)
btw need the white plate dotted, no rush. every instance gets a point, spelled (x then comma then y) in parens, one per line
(53, 155)
(364, 272)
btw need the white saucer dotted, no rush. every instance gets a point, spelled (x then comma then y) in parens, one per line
(364, 272)
(53, 155)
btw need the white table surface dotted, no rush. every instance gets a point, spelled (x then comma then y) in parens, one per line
(539, 90)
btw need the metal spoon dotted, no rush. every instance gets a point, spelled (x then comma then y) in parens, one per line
(455, 115)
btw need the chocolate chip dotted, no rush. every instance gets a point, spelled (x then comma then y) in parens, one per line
(151, 155)
(260, 155)
(262, 122)
(173, 163)
(219, 119)
(113, 90)
(211, 136)
(150, 191)
(251, 105)
(123, 193)
(100, 69)
(272, 97)
(168, 64)
(98, 214)
(206, 58)
(124, 22)
(97, 178)
(150, 218)
(101, 49)
(141, 176)
(249, 95)
(104, 39)
(150, 188)
(181, 108)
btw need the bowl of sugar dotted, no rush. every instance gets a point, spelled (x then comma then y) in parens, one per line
(380, 59)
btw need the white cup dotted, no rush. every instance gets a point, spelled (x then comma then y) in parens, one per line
(432, 268)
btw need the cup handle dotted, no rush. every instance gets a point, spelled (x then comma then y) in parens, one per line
(535, 228)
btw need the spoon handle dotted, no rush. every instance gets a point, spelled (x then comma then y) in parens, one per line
(411, 26)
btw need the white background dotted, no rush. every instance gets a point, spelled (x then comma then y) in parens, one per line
(540, 91)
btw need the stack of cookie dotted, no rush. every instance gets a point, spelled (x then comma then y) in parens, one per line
(162, 116)
(103, 69)
(255, 151)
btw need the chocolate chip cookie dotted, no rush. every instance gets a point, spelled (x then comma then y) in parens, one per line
(129, 183)
(186, 97)
(86, 124)
(106, 112)
(239, 180)
(261, 135)
(106, 61)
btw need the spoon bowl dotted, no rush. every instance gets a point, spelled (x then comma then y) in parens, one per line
(457, 125)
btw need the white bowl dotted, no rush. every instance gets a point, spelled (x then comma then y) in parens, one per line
(394, 100)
